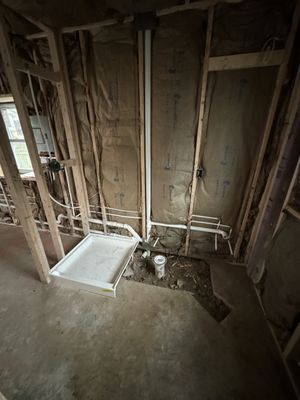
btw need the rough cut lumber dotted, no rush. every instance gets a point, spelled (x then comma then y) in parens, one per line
(35, 70)
(196, 5)
(287, 127)
(292, 343)
(17, 92)
(200, 133)
(255, 172)
(68, 113)
(61, 174)
(287, 197)
(23, 209)
(293, 212)
(246, 60)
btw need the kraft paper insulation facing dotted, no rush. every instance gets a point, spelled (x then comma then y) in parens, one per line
(111, 64)
(178, 46)
(239, 104)
(114, 89)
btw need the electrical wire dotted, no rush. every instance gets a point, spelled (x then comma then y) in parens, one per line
(61, 204)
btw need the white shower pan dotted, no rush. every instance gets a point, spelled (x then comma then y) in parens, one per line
(97, 263)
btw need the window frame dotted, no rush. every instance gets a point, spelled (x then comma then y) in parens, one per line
(7, 102)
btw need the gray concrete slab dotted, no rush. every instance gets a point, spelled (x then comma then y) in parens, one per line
(149, 343)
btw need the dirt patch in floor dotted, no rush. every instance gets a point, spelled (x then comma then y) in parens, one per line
(181, 274)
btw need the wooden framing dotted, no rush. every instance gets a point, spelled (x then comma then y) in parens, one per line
(246, 60)
(16, 90)
(294, 213)
(68, 113)
(196, 5)
(287, 197)
(56, 151)
(200, 133)
(6, 199)
(35, 70)
(142, 130)
(22, 205)
(255, 172)
(288, 123)
(220, 63)
(292, 343)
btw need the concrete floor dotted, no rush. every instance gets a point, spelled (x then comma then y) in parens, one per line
(149, 343)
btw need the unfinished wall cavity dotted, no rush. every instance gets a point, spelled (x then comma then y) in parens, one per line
(237, 104)
(178, 47)
(103, 71)
(114, 90)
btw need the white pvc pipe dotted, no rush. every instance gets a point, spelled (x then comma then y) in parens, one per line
(113, 224)
(147, 55)
(61, 204)
(205, 217)
(224, 234)
(210, 223)
(118, 209)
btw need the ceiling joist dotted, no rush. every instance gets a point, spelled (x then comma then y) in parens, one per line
(196, 5)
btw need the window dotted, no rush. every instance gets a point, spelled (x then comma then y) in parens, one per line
(16, 138)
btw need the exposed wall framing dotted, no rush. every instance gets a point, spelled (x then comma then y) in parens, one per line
(287, 199)
(280, 81)
(22, 205)
(16, 90)
(287, 127)
(58, 75)
(65, 97)
(199, 135)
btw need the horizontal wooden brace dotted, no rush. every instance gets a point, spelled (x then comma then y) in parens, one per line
(292, 343)
(35, 70)
(293, 212)
(246, 60)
